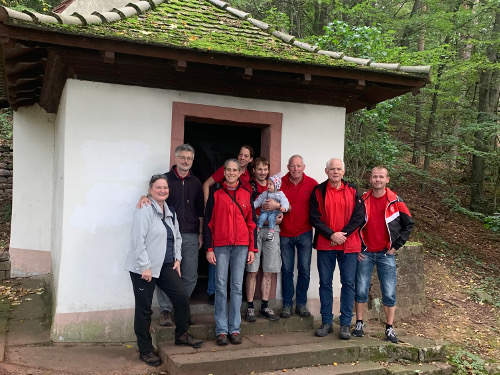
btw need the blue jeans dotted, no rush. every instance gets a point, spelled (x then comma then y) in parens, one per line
(326, 266)
(303, 243)
(234, 257)
(387, 275)
(211, 279)
(270, 217)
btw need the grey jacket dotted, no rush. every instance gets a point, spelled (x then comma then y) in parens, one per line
(148, 239)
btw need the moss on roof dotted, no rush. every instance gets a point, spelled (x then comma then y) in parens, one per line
(198, 24)
(205, 25)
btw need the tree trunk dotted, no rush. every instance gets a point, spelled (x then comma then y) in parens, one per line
(432, 119)
(487, 105)
(405, 39)
(415, 160)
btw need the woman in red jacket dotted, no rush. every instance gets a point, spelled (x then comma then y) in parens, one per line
(229, 236)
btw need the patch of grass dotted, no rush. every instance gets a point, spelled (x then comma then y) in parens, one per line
(465, 362)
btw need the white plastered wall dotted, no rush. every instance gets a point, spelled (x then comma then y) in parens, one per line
(111, 139)
(33, 142)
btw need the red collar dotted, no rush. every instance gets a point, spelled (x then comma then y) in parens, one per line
(178, 175)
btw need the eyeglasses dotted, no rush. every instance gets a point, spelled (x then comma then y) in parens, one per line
(188, 158)
(157, 177)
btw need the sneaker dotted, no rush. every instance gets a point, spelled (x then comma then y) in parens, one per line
(270, 236)
(302, 310)
(324, 330)
(211, 299)
(286, 312)
(269, 314)
(188, 340)
(150, 359)
(165, 319)
(358, 329)
(250, 315)
(235, 338)
(390, 335)
(345, 333)
(222, 339)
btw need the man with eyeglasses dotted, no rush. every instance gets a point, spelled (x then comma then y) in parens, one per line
(186, 196)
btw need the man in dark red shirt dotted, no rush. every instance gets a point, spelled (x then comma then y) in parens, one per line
(387, 228)
(296, 234)
(336, 213)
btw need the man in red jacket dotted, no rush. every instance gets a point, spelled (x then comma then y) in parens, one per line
(336, 212)
(295, 236)
(387, 228)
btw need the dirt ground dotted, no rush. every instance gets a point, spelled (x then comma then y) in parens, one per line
(461, 264)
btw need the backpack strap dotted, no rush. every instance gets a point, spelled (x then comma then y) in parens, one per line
(171, 208)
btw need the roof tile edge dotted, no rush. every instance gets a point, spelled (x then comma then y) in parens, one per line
(114, 15)
(219, 3)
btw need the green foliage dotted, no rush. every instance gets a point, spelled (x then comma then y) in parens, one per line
(368, 141)
(5, 126)
(490, 221)
(359, 41)
(37, 5)
(493, 222)
(466, 363)
(279, 20)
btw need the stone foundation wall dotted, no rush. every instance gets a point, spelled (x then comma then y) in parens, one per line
(5, 172)
(5, 194)
(4, 270)
(410, 291)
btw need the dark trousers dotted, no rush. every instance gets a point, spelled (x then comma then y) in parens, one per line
(171, 284)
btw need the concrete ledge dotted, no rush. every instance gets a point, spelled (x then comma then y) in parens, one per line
(94, 326)
(27, 262)
(205, 327)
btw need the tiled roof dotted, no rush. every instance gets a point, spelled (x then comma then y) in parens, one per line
(211, 25)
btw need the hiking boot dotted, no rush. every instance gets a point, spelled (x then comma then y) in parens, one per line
(270, 236)
(269, 314)
(150, 359)
(250, 315)
(302, 310)
(390, 335)
(188, 340)
(222, 339)
(324, 330)
(345, 333)
(165, 319)
(211, 299)
(235, 338)
(358, 329)
(286, 312)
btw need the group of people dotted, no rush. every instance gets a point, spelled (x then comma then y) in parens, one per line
(180, 215)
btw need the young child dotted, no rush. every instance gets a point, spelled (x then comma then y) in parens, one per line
(273, 187)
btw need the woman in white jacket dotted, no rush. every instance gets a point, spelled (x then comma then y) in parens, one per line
(154, 259)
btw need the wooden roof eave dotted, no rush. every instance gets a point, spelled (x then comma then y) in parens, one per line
(119, 45)
(109, 47)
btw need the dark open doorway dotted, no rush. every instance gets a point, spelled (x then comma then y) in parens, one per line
(214, 144)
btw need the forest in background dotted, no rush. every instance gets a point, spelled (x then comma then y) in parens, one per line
(453, 122)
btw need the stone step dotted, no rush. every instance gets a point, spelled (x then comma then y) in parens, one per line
(205, 327)
(370, 368)
(268, 352)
